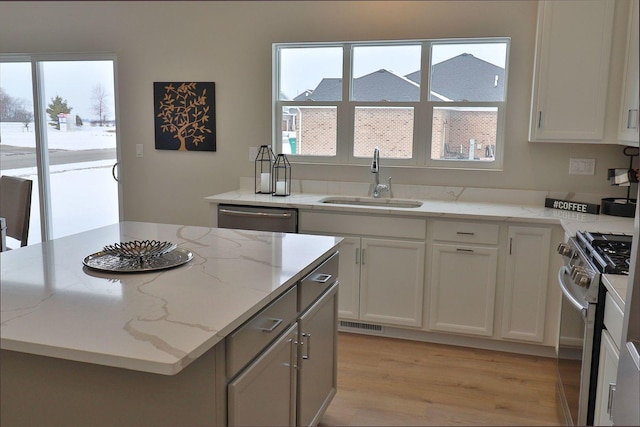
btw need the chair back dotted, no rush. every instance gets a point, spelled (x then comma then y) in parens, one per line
(15, 206)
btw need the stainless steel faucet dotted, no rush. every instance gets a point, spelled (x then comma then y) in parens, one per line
(375, 169)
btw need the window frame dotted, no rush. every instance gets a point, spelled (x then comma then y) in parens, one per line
(423, 109)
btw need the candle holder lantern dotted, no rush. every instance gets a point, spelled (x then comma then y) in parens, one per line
(263, 184)
(281, 176)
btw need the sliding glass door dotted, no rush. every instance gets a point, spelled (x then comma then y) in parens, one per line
(58, 128)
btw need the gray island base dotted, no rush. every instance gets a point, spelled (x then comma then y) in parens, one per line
(190, 345)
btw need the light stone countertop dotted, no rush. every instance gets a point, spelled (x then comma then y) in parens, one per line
(617, 286)
(442, 202)
(157, 322)
(434, 208)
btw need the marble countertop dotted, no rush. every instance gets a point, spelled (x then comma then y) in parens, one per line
(157, 322)
(500, 210)
(440, 202)
(617, 286)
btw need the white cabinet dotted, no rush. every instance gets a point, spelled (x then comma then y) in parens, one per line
(629, 118)
(463, 277)
(381, 265)
(607, 372)
(571, 71)
(391, 281)
(526, 282)
(608, 364)
(349, 293)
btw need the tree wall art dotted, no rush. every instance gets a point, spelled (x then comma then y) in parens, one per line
(185, 116)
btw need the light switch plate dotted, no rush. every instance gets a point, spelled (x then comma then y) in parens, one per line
(139, 152)
(582, 166)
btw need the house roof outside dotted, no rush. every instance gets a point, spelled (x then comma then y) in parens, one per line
(461, 78)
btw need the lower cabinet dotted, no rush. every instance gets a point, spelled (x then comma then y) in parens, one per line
(289, 379)
(525, 296)
(317, 376)
(607, 373)
(391, 281)
(264, 393)
(608, 364)
(463, 285)
(381, 266)
(382, 281)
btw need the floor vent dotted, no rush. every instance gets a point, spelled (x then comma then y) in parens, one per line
(363, 326)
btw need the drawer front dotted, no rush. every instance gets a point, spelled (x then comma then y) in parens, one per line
(613, 317)
(319, 280)
(466, 232)
(367, 225)
(246, 342)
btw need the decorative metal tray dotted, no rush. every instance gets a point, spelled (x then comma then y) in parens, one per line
(138, 256)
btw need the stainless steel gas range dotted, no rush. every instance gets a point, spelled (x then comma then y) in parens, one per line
(586, 256)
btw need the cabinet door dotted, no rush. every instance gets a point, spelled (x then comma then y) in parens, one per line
(462, 289)
(392, 281)
(349, 274)
(318, 362)
(264, 393)
(571, 70)
(607, 371)
(525, 297)
(629, 118)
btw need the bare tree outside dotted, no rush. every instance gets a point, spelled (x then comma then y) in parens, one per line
(100, 106)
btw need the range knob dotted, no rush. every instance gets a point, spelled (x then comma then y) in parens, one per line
(565, 250)
(580, 276)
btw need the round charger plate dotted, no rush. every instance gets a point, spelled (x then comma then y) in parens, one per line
(107, 262)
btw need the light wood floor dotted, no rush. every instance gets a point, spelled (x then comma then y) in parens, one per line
(383, 381)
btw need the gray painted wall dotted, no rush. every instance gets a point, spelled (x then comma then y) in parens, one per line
(229, 42)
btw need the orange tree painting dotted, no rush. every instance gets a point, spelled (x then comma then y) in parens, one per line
(185, 116)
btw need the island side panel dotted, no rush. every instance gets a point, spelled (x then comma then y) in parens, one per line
(46, 391)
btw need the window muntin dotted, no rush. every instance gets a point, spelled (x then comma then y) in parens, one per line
(466, 81)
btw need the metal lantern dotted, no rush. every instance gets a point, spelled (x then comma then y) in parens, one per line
(281, 176)
(262, 173)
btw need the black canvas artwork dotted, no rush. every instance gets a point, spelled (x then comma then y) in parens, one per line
(185, 116)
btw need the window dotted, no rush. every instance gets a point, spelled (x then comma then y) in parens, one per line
(62, 109)
(427, 103)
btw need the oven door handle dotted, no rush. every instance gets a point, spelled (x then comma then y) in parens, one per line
(582, 306)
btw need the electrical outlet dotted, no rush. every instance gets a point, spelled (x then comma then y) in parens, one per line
(582, 166)
(139, 152)
(253, 153)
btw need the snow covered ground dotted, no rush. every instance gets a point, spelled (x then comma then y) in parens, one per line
(83, 195)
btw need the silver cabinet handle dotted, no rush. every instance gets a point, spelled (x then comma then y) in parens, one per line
(308, 337)
(275, 323)
(612, 390)
(260, 214)
(322, 278)
(631, 123)
(362, 257)
(464, 250)
(357, 255)
(465, 233)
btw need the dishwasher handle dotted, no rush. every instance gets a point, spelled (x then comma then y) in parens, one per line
(255, 214)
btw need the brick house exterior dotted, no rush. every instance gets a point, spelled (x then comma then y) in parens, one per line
(391, 129)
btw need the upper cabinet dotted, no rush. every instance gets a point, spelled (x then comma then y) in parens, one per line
(571, 71)
(628, 129)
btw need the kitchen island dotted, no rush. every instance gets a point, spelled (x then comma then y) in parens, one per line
(87, 347)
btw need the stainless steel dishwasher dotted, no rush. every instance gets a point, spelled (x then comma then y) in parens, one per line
(258, 218)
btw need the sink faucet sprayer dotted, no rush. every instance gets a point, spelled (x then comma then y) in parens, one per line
(375, 169)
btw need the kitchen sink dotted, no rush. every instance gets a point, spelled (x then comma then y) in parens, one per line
(367, 201)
